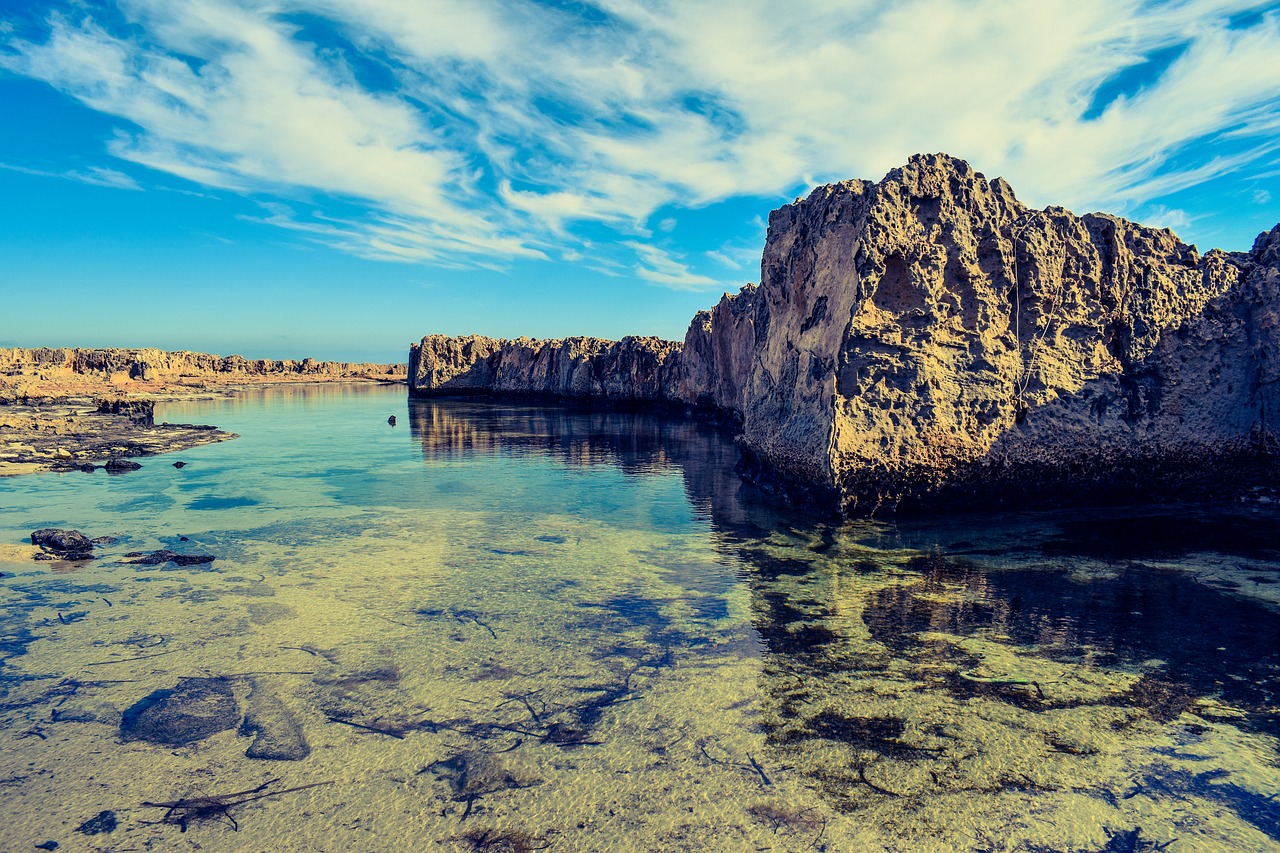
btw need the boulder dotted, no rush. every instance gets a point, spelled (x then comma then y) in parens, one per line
(63, 544)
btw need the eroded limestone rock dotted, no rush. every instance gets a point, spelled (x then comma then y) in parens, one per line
(928, 341)
(632, 369)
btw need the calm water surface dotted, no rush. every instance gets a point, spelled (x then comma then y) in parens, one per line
(508, 628)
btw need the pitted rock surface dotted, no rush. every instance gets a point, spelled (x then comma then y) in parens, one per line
(928, 342)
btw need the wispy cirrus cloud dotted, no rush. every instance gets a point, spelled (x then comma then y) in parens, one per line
(94, 175)
(463, 133)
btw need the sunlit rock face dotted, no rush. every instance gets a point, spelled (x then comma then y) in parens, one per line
(928, 341)
(639, 369)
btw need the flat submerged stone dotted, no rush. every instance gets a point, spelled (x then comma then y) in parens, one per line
(191, 711)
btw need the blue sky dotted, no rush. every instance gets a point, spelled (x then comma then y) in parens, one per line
(337, 178)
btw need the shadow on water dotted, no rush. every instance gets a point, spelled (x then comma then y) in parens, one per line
(1148, 537)
(1209, 643)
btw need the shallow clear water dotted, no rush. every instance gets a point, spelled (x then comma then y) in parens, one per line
(502, 627)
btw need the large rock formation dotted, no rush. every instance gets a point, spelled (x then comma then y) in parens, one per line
(928, 340)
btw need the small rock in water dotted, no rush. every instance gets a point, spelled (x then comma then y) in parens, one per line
(471, 774)
(104, 821)
(191, 711)
(179, 464)
(63, 544)
(392, 420)
(119, 466)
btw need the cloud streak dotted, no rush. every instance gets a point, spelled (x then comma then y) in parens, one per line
(477, 134)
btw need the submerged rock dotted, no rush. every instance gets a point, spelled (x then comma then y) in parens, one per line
(103, 821)
(164, 555)
(277, 736)
(119, 466)
(474, 773)
(191, 711)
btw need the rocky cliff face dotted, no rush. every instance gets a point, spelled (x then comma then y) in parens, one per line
(633, 369)
(928, 341)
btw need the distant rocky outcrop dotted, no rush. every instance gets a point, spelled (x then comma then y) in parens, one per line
(149, 365)
(928, 341)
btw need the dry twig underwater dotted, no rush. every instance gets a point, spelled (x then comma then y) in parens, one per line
(186, 810)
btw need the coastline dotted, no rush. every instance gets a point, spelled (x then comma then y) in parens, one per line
(68, 436)
(919, 345)
(67, 420)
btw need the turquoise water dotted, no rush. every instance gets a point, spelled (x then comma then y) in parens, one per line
(507, 627)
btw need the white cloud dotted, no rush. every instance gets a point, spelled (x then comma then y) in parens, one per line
(658, 266)
(503, 127)
(1160, 216)
(105, 178)
(94, 175)
(1261, 196)
(723, 259)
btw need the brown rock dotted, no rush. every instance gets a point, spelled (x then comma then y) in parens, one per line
(928, 341)
(633, 369)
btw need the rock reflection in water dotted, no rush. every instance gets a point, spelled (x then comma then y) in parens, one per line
(1207, 642)
(635, 444)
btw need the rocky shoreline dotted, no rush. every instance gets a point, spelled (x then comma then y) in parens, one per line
(82, 436)
(67, 409)
(928, 342)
